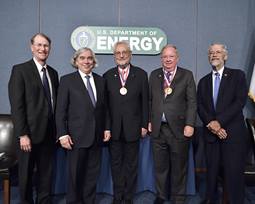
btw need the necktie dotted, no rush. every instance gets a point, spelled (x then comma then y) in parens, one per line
(167, 79)
(46, 88)
(216, 88)
(90, 90)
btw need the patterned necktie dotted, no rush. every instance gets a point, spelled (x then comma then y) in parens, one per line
(167, 80)
(47, 88)
(216, 88)
(90, 90)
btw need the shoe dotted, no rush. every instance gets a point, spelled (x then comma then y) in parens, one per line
(159, 200)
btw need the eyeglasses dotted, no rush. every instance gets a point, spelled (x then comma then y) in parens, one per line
(41, 45)
(215, 52)
(124, 53)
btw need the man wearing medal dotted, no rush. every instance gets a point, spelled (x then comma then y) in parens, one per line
(172, 104)
(127, 91)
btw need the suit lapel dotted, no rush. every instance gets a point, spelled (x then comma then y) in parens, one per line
(116, 78)
(35, 73)
(52, 79)
(99, 88)
(160, 82)
(223, 85)
(131, 77)
(210, 90)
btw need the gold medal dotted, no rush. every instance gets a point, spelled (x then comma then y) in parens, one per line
(168, 90)
(123, 91)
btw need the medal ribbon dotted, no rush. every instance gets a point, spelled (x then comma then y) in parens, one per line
(168, 80)
(123, 76)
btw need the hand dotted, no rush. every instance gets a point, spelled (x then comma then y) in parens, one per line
(66, 142)
(144, 132)
(149, 127)
(214, 126)
(188, 131)
(222, 134)
(25, 143)
(107, 135)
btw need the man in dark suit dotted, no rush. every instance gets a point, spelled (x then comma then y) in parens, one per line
(127, 88)
(32, 92)
(221, 97)
(172, 97)
(81, 118)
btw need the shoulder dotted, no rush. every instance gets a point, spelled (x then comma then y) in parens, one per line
(204, 79)
(233, 71)
(138, 70)
(24, 66)
(109, 72)
(69, 76)
(156, 72)
(52, 69)
(97, 77)
(184, 71)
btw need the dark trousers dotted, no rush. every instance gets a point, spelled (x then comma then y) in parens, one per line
(171, 165)
(124, 164)
(40, 158)
(231, 157)
(83, 171)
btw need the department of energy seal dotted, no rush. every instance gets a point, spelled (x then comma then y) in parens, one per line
(83, 37)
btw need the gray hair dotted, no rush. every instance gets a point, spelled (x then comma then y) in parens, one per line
(224, 47)
(170, 46)
(77, 54)
(126, 43)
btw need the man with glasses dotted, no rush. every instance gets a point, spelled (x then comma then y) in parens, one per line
(172, 118)
(221, 98)
(127, 92)
(32, 92)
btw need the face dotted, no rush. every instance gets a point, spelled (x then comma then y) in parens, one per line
(122, 55)
(40, 49)
(217, 56)
(85, 62)
(169, 59)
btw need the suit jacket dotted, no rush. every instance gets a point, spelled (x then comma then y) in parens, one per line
(230, 102)
(179, 106)
(75, 113)
(29, 105)
(129, 112)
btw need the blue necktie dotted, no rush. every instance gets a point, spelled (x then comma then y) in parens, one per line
(47, 88)
(216, 88)
(90, 90)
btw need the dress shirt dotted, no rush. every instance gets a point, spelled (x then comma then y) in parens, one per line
(91, 80)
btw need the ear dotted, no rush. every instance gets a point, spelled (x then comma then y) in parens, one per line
(225, 57)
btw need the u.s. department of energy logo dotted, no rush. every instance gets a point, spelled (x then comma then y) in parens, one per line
(101, 39)
(83, 37)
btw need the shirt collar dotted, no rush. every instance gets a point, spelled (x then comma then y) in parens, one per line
(83, 74)
(220, 71)
(172, 72)
(126, 69)
(39, 66)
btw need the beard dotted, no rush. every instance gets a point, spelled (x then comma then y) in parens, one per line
(123, 66)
